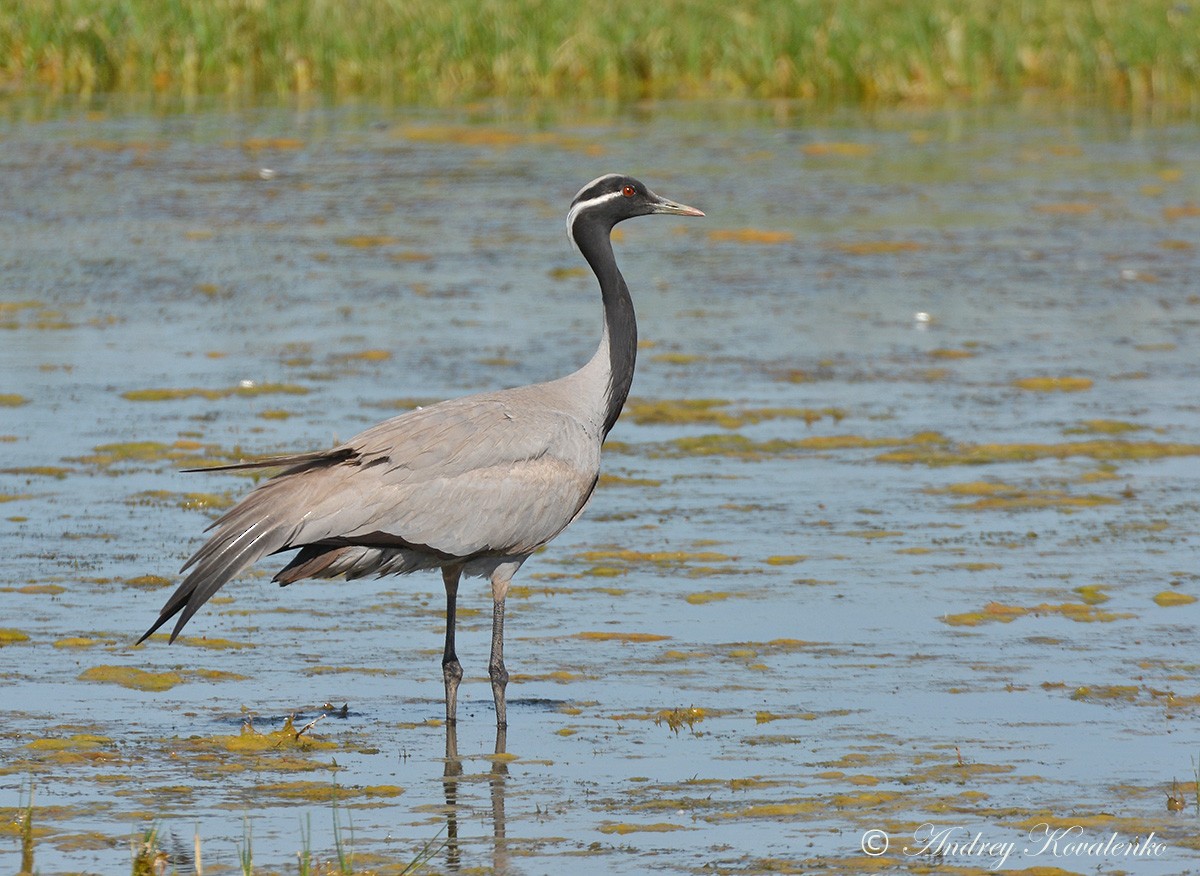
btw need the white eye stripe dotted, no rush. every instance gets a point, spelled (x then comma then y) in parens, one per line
(586, 205)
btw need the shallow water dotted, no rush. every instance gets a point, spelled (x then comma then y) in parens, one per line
(845, 596)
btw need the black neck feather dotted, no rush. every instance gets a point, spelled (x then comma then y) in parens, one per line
(593, 240)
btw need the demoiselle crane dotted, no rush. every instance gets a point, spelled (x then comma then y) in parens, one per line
(472, 486)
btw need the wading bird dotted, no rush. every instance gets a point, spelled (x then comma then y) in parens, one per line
(472, 486)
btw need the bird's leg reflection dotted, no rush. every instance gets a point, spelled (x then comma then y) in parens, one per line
(497, 781)
(453, 770)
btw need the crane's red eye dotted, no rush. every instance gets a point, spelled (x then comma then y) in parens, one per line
(629, 191)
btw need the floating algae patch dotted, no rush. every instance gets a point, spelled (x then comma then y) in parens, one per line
(182, 453)
(996, 612)
(611, 480)
(623, 828)
(749, 235)
(325, 792)
(615, 636)
(76, 642)
(12, 637)
(1053, 384)
(132, 677)
(148, 582)
(1092, 594)
(40, 471)
(986, 454)
(12, 400)
(14, 497)
(74, 742)
(245, 389)
(666, 559)
(187, 501)
(706, 596)
(214, 644)
(741, 447)
(1106, 693)
(251, 741)
(1005, 497)
(1173, 597)
(718, 412)
(1103, 427)
(879, 247)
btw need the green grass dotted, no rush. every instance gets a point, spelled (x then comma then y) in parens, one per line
(873, 51)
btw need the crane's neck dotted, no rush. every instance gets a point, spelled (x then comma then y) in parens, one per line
(618, 344)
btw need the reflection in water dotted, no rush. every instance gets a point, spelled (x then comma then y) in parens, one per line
(498, 781)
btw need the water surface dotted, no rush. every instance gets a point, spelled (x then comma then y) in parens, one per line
(926, 556)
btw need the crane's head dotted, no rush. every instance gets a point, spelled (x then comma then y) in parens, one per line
(614, 197)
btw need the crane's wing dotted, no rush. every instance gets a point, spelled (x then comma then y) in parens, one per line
(469, 477)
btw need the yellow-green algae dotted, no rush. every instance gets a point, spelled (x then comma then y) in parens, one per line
(251, 741)
(1173, 597)
(1053, 384)
(709, 411)
(1092, 594)
(45, 471)
(132, 677)
(12, 400)
(999, 613)
(75, 642)
(624, 828)
(785, 559)
(10, 636)
(1005, 497)
(242, 390)
(187, 501)
(1103, 427)
(984, 454)
(148, 582)
(614, 636)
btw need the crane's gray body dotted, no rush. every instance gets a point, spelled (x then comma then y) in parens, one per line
(481, 481)
(472, 486)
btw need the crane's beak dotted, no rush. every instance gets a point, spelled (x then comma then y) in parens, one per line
(662, 205)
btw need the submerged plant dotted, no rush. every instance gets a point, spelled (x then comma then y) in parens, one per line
(26, 817)
(148, 858)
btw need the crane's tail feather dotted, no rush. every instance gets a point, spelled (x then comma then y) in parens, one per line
(256, 526)
(293, 463)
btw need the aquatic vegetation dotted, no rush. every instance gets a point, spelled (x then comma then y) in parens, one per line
(12, 400)
(879, 247)
(996, 612)
(1173, 597)
(930, 52)
(10, 636)
(245, 389)
(1053, 384)
(47, 471)
(623, 828)
(132, 677)
(717, 412)
(984, 454)
(1005, 497)
(839, 149)
(785, 559)
(251, 741)
(1091, 594)
(749, 235)
(613, 636)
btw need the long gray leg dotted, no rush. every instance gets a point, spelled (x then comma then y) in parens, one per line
(451, 669)
(496, 670)
(499, 675)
